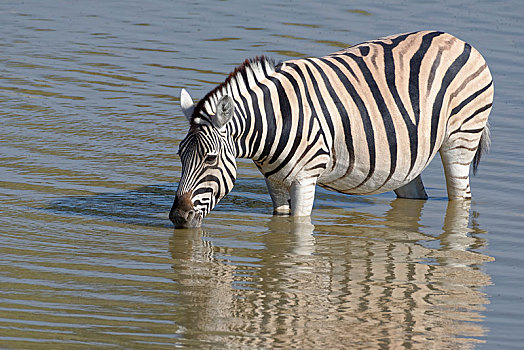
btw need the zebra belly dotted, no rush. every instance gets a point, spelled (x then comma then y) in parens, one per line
(364, 180)
(355, 185)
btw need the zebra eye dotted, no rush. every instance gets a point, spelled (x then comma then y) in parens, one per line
(211, 158)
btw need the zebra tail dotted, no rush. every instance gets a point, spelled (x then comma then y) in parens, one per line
(485, 142)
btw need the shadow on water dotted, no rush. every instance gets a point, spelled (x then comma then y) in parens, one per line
(142, 206)
(297, 285)
(150, 205)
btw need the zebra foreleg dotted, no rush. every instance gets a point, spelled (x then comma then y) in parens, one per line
(279, 196)
(302, 196)
(412, 190)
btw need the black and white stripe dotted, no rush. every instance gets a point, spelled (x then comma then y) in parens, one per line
(363, 120)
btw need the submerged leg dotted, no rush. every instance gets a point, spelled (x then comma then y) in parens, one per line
(303, 196)
(280, 197)
(413, 190)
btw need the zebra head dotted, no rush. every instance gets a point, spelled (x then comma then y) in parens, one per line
(208, 160)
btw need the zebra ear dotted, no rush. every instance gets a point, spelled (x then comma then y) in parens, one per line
(225, 111)
(187, 104)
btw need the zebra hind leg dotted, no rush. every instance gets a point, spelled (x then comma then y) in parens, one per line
(457, 154)
(280, 197)
(412, 190)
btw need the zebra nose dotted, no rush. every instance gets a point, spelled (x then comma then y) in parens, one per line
(183, 202)
(183, 214)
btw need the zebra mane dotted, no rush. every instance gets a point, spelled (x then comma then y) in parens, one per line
(241, 79)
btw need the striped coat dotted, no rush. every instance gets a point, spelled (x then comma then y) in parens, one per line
(363, 120)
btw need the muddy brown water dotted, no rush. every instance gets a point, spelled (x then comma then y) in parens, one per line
(89, 130)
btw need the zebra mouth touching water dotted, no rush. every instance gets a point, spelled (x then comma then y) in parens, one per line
(191, 219)
(364, 120)
(183, 214)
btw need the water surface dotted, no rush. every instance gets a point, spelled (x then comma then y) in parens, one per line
(90, 125)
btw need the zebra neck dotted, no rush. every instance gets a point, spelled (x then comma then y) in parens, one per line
(246, 127)
(248, 124)
(250, 128)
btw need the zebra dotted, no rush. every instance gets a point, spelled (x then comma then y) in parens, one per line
(363, 120)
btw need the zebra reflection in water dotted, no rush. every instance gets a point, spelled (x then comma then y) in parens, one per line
(360, 279)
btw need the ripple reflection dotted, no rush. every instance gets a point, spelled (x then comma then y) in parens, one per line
(383, 279)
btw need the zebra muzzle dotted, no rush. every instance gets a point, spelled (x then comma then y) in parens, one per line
(183, 214)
